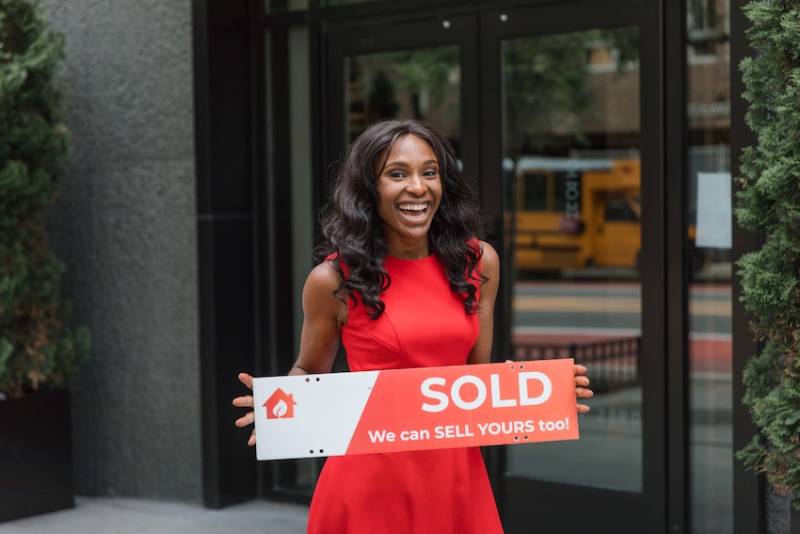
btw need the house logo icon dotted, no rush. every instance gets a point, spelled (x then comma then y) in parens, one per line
(280, 405)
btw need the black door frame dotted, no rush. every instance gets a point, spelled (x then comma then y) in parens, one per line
(601, 509)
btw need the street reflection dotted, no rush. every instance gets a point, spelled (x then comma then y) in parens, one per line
(424, 84)
(573, 186)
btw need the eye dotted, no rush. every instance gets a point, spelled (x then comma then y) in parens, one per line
(431, 172)
(397, 174)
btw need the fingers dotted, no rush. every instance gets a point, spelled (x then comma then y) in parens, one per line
(583, 393)
(246, 379)
(246, 401)
(580, 369)
(247, 419)
(581, 380)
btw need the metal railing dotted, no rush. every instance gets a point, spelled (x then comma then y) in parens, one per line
(613, 363)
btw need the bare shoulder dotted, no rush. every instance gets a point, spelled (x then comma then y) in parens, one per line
(319, 295)
(490, 260)
(322, 279)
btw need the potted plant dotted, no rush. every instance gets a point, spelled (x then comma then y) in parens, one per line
(39, 350)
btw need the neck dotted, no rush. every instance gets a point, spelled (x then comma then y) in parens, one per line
(413, 250)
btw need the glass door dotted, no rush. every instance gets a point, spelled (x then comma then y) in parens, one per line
(573, 169)
(424, 69)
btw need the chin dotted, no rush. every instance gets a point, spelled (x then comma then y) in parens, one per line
(413, 233)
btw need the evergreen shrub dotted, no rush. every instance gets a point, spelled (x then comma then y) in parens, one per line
(768, 205)
(38, 347)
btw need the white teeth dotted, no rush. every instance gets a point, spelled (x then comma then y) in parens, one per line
(413, 207)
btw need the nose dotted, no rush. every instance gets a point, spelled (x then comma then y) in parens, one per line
(416, 185)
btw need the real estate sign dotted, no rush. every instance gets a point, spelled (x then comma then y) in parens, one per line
(411, 409)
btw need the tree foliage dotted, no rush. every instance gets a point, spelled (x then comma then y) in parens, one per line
(769, 205)
(38, 348)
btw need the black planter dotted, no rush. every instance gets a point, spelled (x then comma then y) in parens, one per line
(35, 455)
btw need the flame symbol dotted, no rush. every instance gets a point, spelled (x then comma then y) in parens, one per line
(280, 409)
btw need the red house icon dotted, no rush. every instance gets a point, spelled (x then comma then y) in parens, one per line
(280, 405)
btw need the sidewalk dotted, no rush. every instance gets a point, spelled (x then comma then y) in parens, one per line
(128, 516)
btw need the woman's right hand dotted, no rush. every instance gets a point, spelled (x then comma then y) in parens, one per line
(319, 339)
(246, 401)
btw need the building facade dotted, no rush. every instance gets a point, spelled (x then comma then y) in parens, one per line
(601, 137)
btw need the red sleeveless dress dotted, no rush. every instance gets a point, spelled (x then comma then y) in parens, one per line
(442, 491)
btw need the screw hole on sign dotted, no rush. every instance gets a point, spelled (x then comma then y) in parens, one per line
(512, 365)
(308, 380)
(317, 379)
(311, 451)
(526, 437)
(516, 438)
(521, 366)
(320, 451)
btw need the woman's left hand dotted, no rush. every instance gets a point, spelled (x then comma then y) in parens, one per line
(582, 390)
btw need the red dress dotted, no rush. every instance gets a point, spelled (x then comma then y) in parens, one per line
(443, 491)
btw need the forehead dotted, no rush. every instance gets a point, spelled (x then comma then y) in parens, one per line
(410, 148)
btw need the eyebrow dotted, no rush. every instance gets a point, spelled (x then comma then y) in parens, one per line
(404, 164)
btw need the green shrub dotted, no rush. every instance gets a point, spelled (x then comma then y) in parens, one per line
(38, 348)
(769, 205)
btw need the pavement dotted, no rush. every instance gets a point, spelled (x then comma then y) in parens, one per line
(133, 516)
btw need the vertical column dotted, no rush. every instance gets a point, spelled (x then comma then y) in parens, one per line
(226, 262)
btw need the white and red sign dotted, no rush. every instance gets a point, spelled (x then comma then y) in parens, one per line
(411, 409)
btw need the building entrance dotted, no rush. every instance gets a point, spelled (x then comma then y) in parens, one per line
(555, 111)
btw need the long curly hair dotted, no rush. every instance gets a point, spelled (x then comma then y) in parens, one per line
(352, 227)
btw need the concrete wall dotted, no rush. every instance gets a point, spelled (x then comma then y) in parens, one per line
(126, 226)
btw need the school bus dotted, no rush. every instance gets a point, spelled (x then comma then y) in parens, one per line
(572, 213)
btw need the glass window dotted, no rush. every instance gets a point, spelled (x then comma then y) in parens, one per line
(571, 156)
(534, 191)
(710, 306)
(423, 84)
(298, 475)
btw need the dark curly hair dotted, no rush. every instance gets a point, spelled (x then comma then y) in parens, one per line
(352, 227)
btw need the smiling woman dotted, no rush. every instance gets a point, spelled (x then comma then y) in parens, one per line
(403, 281)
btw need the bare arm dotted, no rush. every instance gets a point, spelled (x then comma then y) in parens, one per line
(323, 316)
(490, 267)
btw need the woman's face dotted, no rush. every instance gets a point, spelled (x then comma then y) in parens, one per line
(409, 189)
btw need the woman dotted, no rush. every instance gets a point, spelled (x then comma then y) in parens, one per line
(404, 283)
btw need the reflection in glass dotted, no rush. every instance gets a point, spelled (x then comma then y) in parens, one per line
(422, 84)
(572, 184)
(710, 306)
(277, 6)
(298, 476)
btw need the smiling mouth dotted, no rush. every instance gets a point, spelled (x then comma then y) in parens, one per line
(414, 209)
